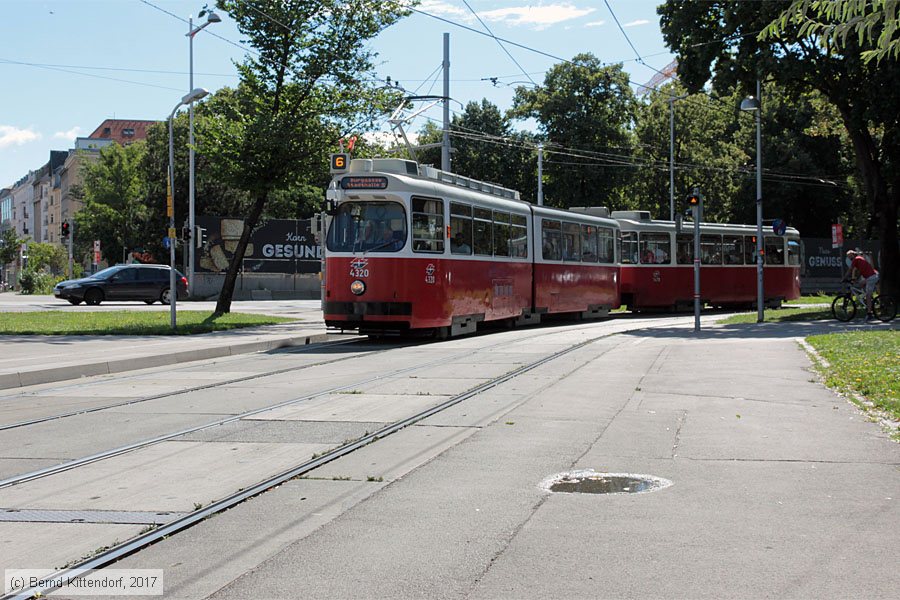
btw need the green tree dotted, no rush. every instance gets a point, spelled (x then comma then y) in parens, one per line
(47, 257)
(486, 148)
(298, 93)
(9, 248)
(718, 39)
(585, 111)
(707, 154)
(875, 23)
(115, 203)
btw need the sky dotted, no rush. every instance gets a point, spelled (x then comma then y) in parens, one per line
(66, 65)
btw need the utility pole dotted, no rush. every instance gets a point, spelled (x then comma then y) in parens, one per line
(445, 145)
(540, 194)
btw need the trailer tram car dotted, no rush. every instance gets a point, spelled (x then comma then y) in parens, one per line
(657, 269)
(414, 249)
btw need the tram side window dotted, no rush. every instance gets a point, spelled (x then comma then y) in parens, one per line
(428, 225)
(774, 250)
(749, 249)
(571, 242)
(711, 249)
(589, 251)
(793, 246)
(460, 228)
(607, 246)
(483, 232)
(655, 248)
(630, 247)
(684, 249)
(501, 233)
(733, 249)
(518, 236)
(551, 242)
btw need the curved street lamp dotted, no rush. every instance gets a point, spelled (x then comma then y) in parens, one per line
(195, 95)
(753, 104)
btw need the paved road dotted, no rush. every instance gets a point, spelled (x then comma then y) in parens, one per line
(780, 487)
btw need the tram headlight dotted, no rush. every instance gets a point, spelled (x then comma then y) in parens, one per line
(358, 287)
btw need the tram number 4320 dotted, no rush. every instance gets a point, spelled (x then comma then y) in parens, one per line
(358, 272)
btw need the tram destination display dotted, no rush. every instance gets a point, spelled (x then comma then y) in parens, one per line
(285, 246)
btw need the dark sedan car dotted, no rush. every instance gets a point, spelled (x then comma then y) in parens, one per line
(122, 282)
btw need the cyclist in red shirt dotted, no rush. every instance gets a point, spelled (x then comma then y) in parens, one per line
(860, 268)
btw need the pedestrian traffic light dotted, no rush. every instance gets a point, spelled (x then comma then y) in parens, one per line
(201, 237)
(65, 229)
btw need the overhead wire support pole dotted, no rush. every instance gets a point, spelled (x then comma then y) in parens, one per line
(760, 294)
(540, 181)
(672, 155)
(445, 147)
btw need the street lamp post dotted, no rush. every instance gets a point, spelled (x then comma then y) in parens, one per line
(753, 104)
(211, 18)
(170, 202)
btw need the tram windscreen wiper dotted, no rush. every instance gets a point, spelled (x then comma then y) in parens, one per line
(381, 245)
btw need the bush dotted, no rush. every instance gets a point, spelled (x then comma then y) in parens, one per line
(38, 282)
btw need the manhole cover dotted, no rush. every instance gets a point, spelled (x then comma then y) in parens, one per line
(592, 482)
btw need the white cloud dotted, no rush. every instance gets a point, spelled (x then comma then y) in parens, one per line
(595, 24)
(636, 23)
(13, 136)
(444, 9)
(536, 17)
(70, 134)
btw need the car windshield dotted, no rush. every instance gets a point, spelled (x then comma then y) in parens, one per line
(106, 273)
(368, 227)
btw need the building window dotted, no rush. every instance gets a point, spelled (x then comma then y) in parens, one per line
(128, 132)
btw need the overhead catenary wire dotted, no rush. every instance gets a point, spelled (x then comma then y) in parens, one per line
(609, 158)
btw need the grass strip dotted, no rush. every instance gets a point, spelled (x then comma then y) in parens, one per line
(124, 322)
(864, 362)
(813, 299)
(782, 315)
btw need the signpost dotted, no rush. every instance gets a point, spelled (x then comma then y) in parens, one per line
(837, 235)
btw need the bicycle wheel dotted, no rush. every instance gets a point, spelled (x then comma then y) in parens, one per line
(885, 308)
(843, 308)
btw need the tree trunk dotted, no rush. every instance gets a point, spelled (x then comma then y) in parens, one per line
(223, 305)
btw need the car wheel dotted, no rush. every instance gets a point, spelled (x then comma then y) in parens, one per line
(149, 301)
(74, 301)
(93, 297)
(165, 296)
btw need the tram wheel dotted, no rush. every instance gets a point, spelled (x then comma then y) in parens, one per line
(441, 333)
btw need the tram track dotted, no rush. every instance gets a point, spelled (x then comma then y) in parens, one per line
(144, 540)
(197, 388)
(119, 450)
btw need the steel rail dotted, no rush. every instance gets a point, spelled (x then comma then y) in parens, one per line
(143, 540)
(83, 411)
(78, 462)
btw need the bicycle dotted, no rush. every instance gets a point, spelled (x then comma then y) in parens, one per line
(844, 307)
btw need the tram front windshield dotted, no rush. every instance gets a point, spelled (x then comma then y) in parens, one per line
(368, 227)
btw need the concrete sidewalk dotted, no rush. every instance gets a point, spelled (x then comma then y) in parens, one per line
(35, 359)
(781, 488)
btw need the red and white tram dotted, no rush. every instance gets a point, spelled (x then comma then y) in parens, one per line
(410, 247)
(657, 264)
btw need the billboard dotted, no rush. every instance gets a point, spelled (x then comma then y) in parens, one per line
(285, 246)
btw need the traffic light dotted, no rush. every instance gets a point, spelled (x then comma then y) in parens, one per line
(186, 234)
(65, 229)
(201, 237)
(694, 199)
